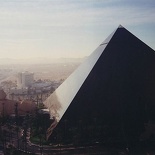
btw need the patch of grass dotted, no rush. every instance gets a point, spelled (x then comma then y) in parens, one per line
(37, 140)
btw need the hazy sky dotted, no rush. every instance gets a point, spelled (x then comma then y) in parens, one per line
(69, 28)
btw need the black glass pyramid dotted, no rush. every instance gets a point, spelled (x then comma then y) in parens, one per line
(110, 96)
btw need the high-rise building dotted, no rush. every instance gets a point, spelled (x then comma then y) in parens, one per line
(25, 79)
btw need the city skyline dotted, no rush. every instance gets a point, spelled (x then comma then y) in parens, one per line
(67, 28)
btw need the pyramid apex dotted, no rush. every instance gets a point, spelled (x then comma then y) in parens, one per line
(120, 26)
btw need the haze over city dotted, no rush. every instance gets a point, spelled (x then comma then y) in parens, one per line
(69, 29)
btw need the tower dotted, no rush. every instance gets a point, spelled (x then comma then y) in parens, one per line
(25, 79)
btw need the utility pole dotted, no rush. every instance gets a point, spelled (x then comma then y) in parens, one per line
(16, 113)
(17, 123)
(3, 113)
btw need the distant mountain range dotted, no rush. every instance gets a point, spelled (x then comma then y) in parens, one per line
(40, 60)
